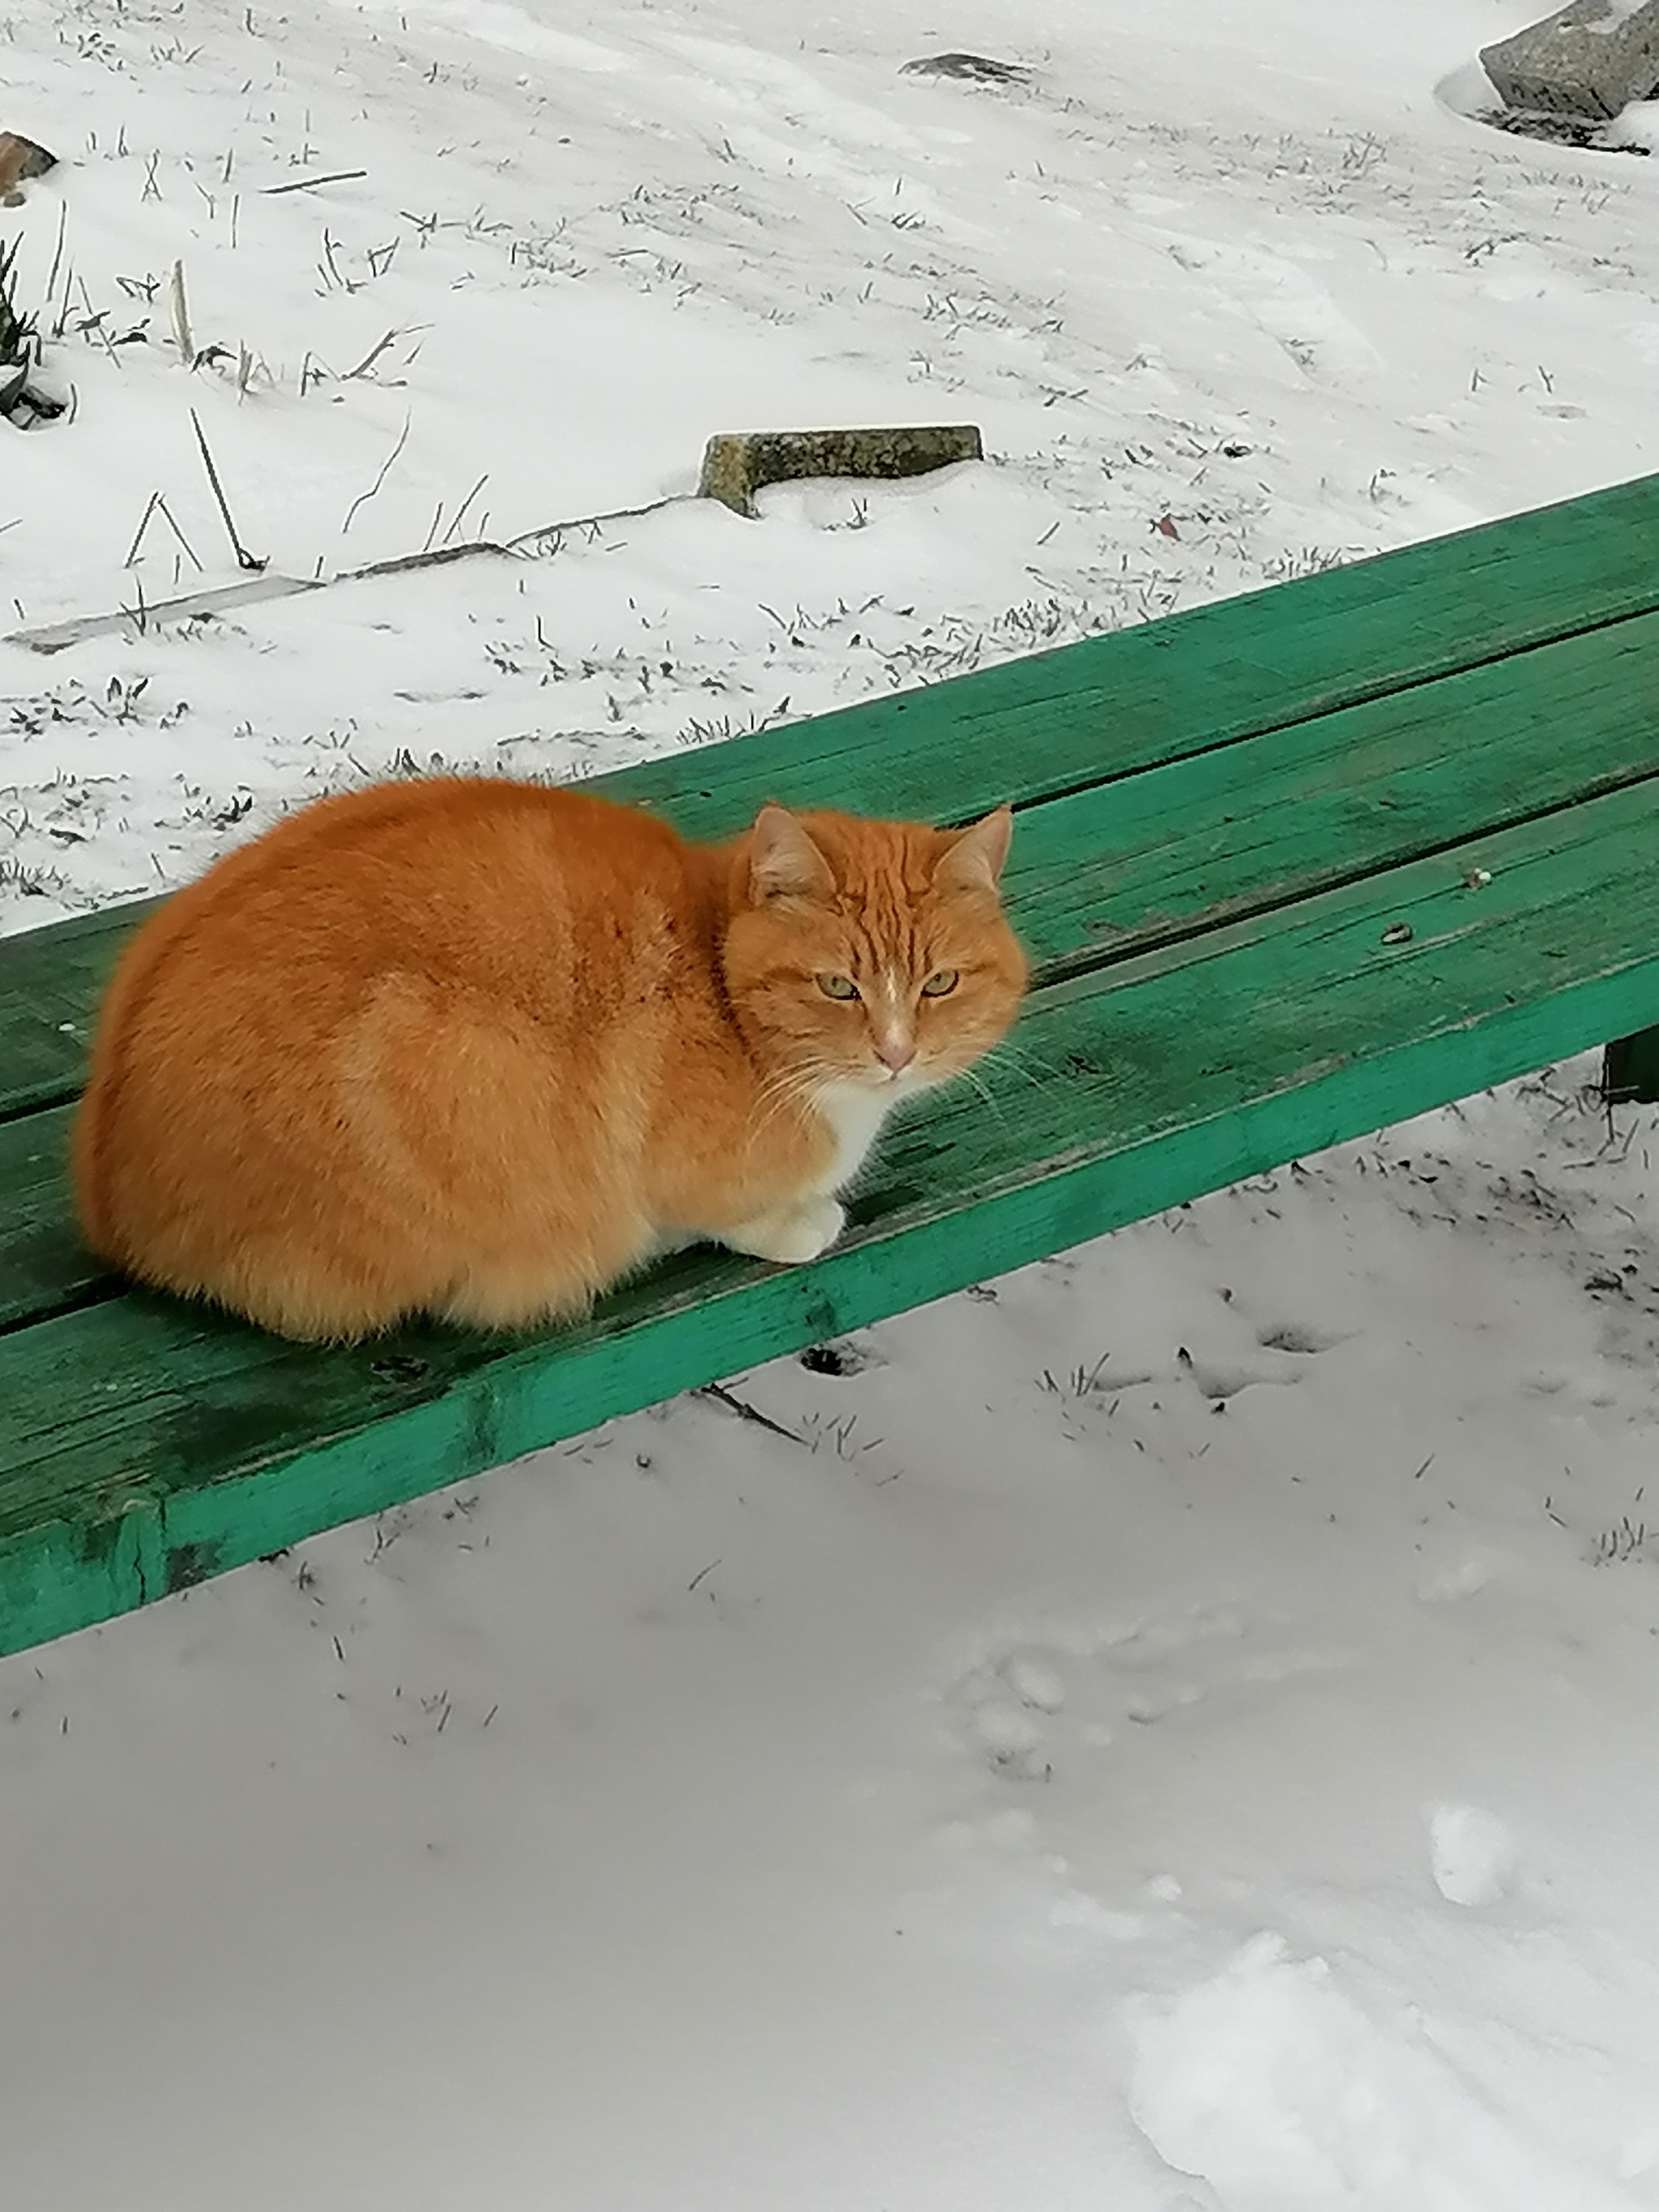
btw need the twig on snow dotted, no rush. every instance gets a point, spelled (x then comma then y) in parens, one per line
(464, 505)
(179, 310)
(307, 184)
(746, 1412)
(372, 356)
(157, 503)
(243, 558)
(364, 497)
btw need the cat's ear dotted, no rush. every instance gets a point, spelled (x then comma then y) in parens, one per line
(783, 861)
(974, 858)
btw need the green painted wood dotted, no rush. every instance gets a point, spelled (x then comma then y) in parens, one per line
(51, 981)
(1201, 796)
(145, 1446)
(1182, 847)
(1176, 850)
(43, 1266)
(1051, 722)
(1059, 722)
(1630, 1072)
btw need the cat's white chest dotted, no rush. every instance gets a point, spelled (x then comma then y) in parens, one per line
(855, 1115)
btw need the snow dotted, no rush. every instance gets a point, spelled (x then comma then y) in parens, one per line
(1171, 1730)
(1474, 1855)
(1639, 126)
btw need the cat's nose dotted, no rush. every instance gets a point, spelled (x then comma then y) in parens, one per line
(897, 1053)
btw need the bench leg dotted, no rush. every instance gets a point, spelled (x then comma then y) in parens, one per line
(1630, 1069)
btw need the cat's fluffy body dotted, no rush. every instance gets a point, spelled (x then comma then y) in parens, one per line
(478, 1048)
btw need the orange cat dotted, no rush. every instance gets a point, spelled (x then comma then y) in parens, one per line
(477, 1048)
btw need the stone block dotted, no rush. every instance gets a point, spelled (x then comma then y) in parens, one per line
(1591, 59)
(21, 158)
(734, 468)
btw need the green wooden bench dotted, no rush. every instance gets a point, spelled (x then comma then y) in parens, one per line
(1291, 867)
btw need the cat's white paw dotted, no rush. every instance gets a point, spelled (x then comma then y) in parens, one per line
(814, 1228)
(791, 1238)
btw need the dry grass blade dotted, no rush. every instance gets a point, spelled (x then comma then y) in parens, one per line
(310, 184)
(364, 497)
(243, 558)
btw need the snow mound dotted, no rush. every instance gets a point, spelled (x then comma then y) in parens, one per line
(1468, 92)
(1274, 2084)
(1639, 126)
(1473, 1855)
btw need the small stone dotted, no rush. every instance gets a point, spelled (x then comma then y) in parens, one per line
(1591, 59)
(21, 158)
(1397, 933)
(735, 467)
(977, 69)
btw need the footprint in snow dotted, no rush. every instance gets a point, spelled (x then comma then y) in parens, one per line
(1034, 1711)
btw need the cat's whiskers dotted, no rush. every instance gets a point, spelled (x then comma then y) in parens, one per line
(794, 1085)
(774, 1096)
(1022, 1060)
(971, 1076)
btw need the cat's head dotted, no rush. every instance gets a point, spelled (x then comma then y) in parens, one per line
(872, 953)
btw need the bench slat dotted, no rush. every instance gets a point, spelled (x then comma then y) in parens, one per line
(146, 1446)
(1054, 722)
(43, 1266)
(51, 981)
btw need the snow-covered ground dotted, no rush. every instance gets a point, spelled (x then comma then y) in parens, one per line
(1169, 1731)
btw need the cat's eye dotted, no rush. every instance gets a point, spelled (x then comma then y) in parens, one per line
(941, 983)
(838, 987)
